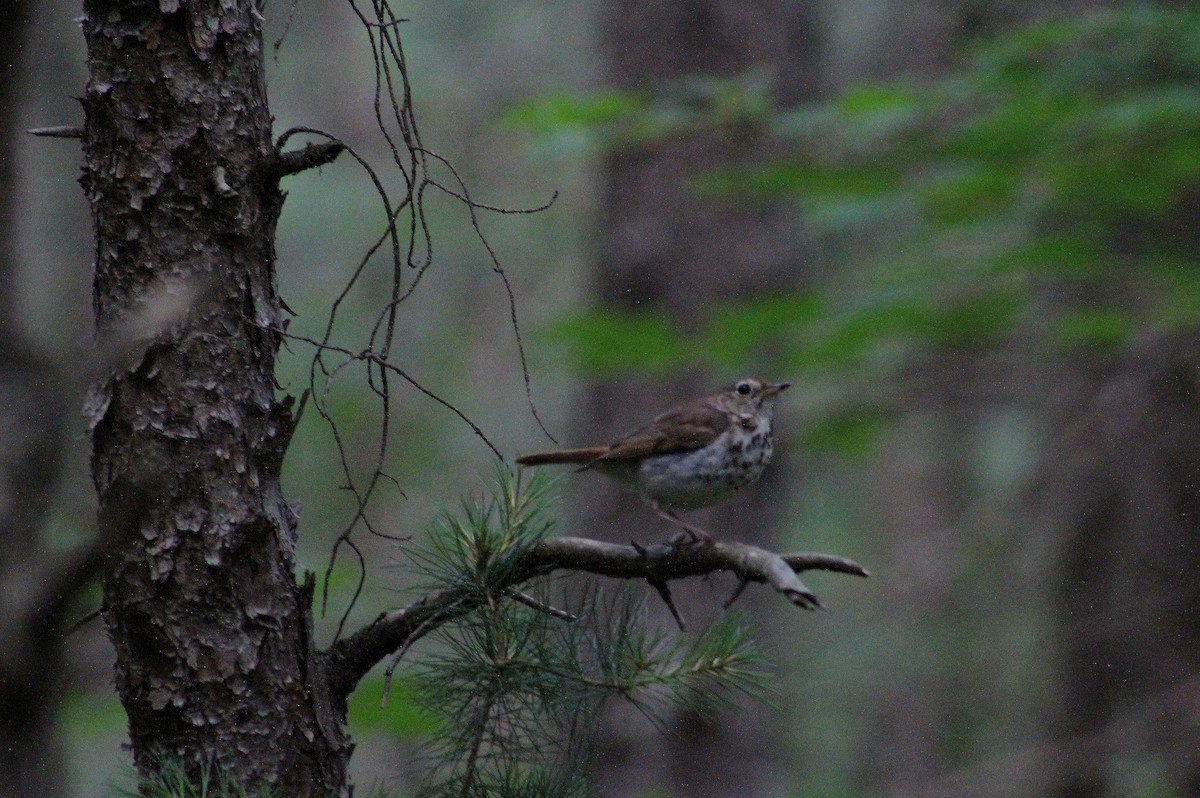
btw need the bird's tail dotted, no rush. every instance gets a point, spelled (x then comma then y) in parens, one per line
(569, 456)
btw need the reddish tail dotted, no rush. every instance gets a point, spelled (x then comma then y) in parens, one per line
(571, 456)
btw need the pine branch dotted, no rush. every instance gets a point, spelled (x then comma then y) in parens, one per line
(349, 659)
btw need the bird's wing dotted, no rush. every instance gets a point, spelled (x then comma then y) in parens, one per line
(683, 429)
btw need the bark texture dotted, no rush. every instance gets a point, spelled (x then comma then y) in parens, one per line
(209, 625)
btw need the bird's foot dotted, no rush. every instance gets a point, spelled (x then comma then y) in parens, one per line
(691, 536)
(695, 535)
(681, 540)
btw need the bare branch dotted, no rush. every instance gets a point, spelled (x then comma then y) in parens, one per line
(532, 603)
(349, 659)
(737, 591)
(57, 132)
(311, 157)
(664, 593)
(65, 578)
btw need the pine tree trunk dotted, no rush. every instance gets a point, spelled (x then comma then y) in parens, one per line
(214, 657)
(31, 427)
(1120, 487)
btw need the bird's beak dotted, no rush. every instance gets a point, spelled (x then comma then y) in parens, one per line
(777, 388)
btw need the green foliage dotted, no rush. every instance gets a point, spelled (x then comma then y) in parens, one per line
(515, 687)
(551, 113)
(1103, 328)
(1043, 192)
(609, 342)
(852, 430)
(91, 714)
(1064, 153)
(735, 333)
(171, 780)
(613, 118)
(479, 549)
(612, 342)
(400, 717)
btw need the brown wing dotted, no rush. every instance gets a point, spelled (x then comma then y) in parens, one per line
(683, 429)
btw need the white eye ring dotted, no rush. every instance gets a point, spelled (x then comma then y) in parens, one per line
(743, 388)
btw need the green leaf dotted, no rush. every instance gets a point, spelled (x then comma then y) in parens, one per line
(553, 114)
(875, 113)
(1178, 278)
(92, 714)
(613, 342)
(972, 320)
(857, 333)
(873, 99)
(956, 194)
(400, 716)
(852, 431)
(1102, 328)
(738, 333)
(1051, 255)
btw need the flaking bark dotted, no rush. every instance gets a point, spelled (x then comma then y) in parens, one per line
(200, 598)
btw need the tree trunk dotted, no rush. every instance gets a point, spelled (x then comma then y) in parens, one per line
(922, 482)
(1120, 487)
(214, 659)
(31, 427)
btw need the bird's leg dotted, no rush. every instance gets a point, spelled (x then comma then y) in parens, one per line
(696, 534)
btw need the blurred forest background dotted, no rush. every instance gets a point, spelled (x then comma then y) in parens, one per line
(965, 231)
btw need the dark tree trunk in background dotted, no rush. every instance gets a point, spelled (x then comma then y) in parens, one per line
(209, 625)
(1118, 498)
(13, 35)
(666, 247)
(1122, 487)
(31, 427)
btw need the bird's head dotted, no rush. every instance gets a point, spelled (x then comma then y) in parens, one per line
(752, 395)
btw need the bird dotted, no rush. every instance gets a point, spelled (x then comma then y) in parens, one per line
(691, 456)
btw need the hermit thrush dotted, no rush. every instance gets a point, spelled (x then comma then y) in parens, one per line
(692, 455)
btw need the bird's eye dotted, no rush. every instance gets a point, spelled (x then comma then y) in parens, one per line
(743, 388)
